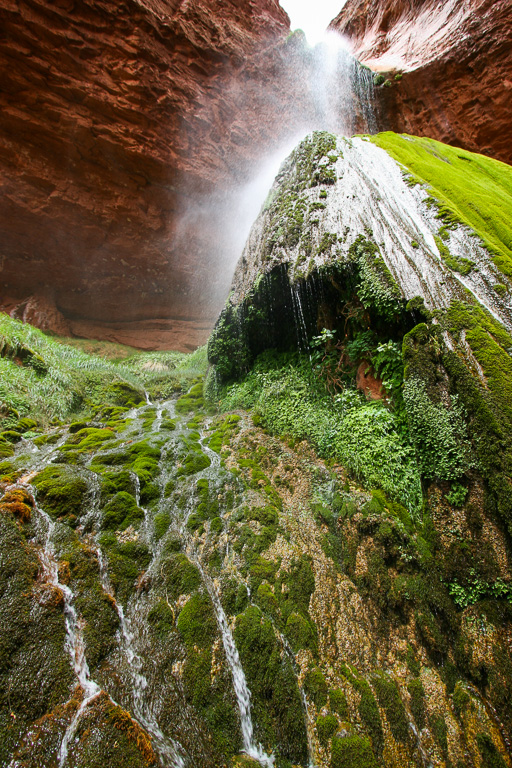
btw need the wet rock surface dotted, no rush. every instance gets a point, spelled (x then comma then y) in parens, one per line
(249, 565)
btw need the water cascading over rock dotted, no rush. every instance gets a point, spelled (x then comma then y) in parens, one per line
(442, 69)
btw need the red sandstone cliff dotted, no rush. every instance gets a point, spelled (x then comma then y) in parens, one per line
(456, 60)
(107, 110)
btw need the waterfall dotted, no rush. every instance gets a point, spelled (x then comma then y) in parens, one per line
(167, 748)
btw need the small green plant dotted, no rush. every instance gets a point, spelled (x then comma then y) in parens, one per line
(388, 364)
(438, 433)
(457, 496)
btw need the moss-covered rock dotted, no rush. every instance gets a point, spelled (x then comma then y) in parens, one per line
(35, 670)
(120, 512)
(277, 707)
(352, 752)
(62, 493)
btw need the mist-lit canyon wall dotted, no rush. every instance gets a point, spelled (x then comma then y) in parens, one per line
(117, 118)
(455, 58)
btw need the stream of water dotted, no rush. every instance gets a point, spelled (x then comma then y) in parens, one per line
(75, 644)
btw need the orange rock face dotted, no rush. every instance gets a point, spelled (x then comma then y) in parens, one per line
(126, 128)
(456, 64)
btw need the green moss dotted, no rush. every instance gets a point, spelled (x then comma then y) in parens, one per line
(266, 600)
(192, 401)
(501, 289)
(490, 409)
(196, 622)
(216, 525)
(447, 171)
(34, 665)
(377, 288)
(10, 436)
(6, 449)
(179, 575)
(389, 698)
(338, 703)
(104, 733)
(316, 687)
(7, 471)
(326, 727)
(440, 731)
(491, 758)
(114, 482)
(461, 699)
(300, 633)
(276, 703)
(412, 662)
(456, 263)
(61, 492)
(234, 597)
(224, 431)
(93, 604)
(298, 586)
(161, 523)
(126, 562)
(121, 512)
(352, 752)
(193, 462)
(368, 709)
(260, 570)
(90, 439)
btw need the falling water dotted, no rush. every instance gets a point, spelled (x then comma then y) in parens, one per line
(300, 321)
(167, 748)
(305, 706)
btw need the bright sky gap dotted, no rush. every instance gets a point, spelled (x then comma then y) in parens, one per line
(312, 16)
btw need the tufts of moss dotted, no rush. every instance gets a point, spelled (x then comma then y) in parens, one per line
(352, 752)
(61, 491)
(121, 512)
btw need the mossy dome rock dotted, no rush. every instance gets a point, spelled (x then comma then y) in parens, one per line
(61, 491)
(121, 512)
(420, 221)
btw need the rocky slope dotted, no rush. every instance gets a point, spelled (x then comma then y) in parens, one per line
(107, 112)
(180, 588)
(455, 60)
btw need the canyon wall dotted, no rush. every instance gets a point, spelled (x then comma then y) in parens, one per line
(455, 59)
(108, 110)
